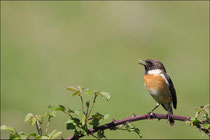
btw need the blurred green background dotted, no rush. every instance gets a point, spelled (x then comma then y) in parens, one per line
(47, 46)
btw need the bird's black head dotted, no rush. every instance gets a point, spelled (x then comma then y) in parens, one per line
(152, 64)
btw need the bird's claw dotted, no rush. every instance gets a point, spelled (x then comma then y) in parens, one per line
(169, 117)
(151, 115)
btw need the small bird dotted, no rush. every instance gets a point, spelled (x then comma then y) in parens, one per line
(160, 86)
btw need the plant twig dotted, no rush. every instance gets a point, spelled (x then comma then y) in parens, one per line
(82, 103)
(113, 124)
(48, 123)
(94, 100)
(39, 129)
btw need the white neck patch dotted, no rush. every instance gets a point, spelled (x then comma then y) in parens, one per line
(157, 71)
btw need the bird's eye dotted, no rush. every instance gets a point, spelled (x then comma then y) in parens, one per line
(150, 63)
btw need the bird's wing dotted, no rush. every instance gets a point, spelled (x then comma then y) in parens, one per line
(172, 89)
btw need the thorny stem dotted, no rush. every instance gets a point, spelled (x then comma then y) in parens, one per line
(113, 124)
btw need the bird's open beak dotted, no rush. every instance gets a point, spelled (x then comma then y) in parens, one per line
(142, 62)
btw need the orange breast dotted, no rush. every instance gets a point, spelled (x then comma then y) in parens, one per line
(156, 82)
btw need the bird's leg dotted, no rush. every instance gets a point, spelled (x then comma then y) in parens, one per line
(151, 114)
(170, 119)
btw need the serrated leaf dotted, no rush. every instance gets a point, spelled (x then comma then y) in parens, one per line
(106, 95)
(54, 134)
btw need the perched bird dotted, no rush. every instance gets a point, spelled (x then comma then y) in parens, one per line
(160, 86)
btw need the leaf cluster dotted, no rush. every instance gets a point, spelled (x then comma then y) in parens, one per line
(80, 121)
(201, 117)
(34, 120)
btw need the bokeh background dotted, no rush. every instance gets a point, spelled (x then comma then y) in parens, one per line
(47, 46)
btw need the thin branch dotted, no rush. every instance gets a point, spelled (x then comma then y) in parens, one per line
(94, 100)
(113, 124)
(48, 124)
(39, 129)
(82, 103)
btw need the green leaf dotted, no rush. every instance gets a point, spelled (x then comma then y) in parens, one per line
(57, 108)
(76, 94)
(39, 118)
(77, 121)
(81, 89)
(54, 134)
(70, 124)
(45, 137)
(73, 89)
(32, 135)
(14, 136)
(7, 128)
(83, 118)
(37, 137)
(106, 116)
(206, 126)
(30, 117)
(95, 119)
(22, 135)
(130, 128)
(61, 108)
(88, 92)
(52, 114)
(195, 121)
(188, 122)
(106, 95)
(100, 134)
